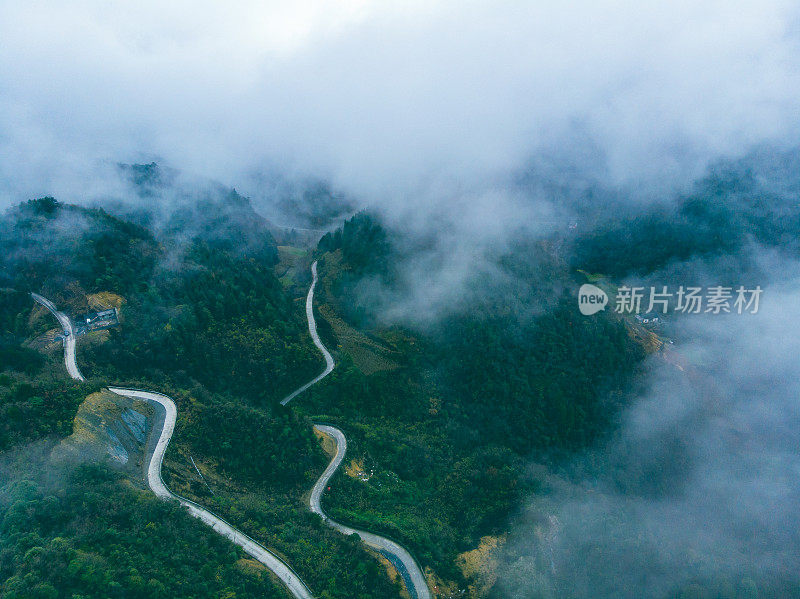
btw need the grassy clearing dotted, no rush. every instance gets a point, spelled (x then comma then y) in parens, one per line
(104, 300)
(650, 341)
(290, 260)
(288, 251)
(327, 443)
(367, 354)
(480, 565)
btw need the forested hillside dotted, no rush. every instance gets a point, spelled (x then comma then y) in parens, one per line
(753, 200)
(86, 533)
(448, 420)
(203, 318)
(442, 413)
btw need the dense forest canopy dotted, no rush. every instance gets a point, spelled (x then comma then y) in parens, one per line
(203, 318)
(443, 416)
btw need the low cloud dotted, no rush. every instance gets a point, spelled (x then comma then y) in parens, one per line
(699, 486)
(464, 123)
(394, 103)
(467, 121)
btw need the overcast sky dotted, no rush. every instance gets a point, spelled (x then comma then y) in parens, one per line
(388, 99)
(426, 109)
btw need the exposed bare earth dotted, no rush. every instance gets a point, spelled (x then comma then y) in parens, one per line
(399, 558)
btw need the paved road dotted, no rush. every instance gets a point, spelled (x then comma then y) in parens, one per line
(263, 555)
(410, 571)
(156, 483)
(312, 328)
(69, 336)
(412, 576)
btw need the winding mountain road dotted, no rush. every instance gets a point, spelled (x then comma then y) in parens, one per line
(69, 336)
(404, 562)
(408, 568)
(312, 328)
(281, 569)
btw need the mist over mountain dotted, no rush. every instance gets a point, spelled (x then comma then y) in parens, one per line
(455, 172)
(464, 123)
(697, 492)
(396, 103)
